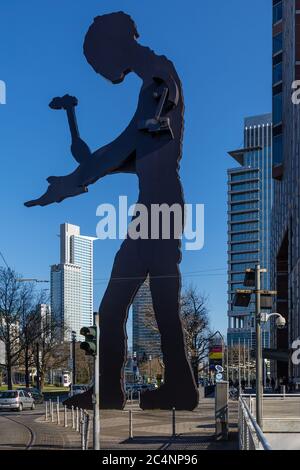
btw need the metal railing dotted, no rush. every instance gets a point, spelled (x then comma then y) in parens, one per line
(251, 436)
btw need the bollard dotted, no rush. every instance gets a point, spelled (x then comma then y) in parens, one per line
(57, 411)
(131, 395)
(173, 422)
(46, 411)
(77, 419)
(139, 397)
(82, 431)
(51, 411)
(73, 417)
(130, 425)
(283, 390)
(87, 433)
(80, 420)
(66, 417)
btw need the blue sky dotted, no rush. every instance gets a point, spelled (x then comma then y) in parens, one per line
(222, 51)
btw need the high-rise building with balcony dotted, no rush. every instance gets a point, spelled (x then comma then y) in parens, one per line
(146, 338)
(72, 281)
(249, 212)
(285, 248)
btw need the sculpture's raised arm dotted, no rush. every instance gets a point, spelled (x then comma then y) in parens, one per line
(112, 158)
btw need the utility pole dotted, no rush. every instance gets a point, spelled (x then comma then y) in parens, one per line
(74, 357)
(259, 391)
(96, 395)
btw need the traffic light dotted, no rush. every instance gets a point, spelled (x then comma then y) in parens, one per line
(90, 343)
(242, 298)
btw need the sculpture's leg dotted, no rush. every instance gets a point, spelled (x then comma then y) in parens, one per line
(179, 389)
(127, 276)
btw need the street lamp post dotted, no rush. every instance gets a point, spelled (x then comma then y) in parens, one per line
(37, 366)
(74, 357)
(259, 390)
(150, 368)
(242, 299)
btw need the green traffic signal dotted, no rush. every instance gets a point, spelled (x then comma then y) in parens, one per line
(90, 343)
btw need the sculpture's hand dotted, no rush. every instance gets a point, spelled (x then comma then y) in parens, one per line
(60, 188)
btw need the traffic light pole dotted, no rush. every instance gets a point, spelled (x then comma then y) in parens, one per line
(96, 400)
(259, 389)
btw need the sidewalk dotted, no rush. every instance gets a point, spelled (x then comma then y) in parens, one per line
(152, 430)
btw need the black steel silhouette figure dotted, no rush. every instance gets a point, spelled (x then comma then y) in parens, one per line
(151, 147)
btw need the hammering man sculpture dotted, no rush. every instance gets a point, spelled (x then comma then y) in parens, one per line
(151, 147)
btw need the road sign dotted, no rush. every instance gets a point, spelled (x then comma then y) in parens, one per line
(219, 377)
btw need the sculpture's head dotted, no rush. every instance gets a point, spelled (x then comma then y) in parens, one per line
(109, 43)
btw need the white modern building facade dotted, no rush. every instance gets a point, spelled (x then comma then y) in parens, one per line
(72, 281)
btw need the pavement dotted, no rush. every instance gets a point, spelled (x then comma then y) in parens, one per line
(151, 430)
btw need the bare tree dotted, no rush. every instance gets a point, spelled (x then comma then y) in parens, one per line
(195, 321)
(12, 293)
(31, 327)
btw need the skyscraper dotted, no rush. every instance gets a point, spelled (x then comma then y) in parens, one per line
(285, 247)
(146, 338)
(72, 280)
(249, 218)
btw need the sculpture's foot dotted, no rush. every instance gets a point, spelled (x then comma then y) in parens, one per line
(111, 401)
(167, 397)
(82, 400)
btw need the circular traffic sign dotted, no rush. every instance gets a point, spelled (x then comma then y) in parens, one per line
(219, 368)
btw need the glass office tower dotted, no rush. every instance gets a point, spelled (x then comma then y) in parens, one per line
(249, 211)
(285, 249)
(72, 281)
(146, 338)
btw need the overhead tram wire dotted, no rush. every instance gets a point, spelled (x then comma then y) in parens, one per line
(4, 260)
(190, 274)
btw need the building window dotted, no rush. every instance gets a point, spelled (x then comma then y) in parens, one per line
(246, 216)
(277, 12)
(245, 246)
(240, 237)
(277, 149)
(277, 43)
(244, 207)
(244, 257)
(244, 196)
(277, 109)
(277, 73)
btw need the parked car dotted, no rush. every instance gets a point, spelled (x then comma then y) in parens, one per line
(16, 400)
(35, 393)
(133, 390)
(76, 389)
